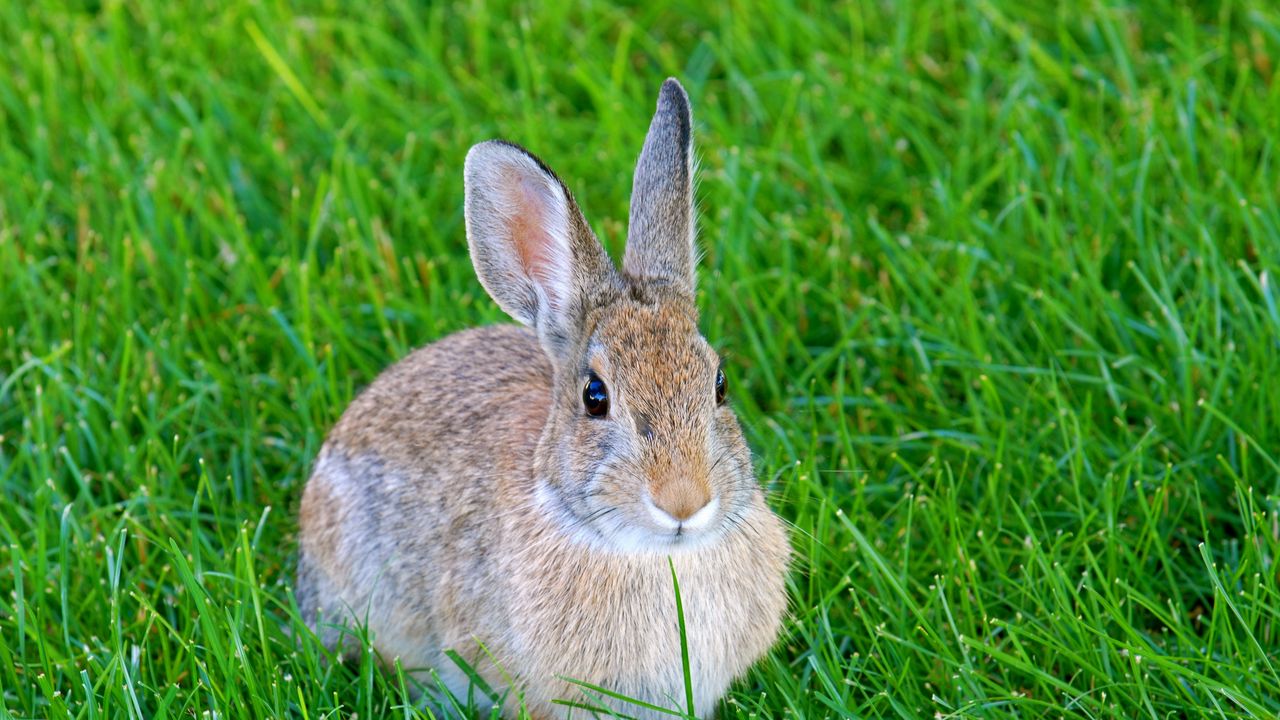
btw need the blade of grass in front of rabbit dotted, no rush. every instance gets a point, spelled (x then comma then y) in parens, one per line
(605, 692)
(684, 641)
(477, 682)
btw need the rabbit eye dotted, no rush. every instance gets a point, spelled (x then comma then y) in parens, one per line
(722, 387)
(595, 396)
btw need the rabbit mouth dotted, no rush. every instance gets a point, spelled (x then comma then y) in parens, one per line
(664, 532)
(615, 529)
(693, 524)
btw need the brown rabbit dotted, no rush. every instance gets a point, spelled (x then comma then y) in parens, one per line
(514, 493)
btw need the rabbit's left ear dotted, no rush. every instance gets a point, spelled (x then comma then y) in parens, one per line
(660, 238)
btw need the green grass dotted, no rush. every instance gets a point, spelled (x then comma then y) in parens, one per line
(996, 285)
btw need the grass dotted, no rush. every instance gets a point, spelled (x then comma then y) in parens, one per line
(996, 282)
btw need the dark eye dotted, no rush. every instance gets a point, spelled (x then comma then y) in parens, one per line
(722, 387)
(595, 396)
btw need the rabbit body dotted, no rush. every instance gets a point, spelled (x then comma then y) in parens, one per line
(519, 495)
(442, 544)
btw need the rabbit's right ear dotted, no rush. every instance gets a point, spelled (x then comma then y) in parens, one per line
(533, 251)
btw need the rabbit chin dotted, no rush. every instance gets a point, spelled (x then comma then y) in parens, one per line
(627, 535)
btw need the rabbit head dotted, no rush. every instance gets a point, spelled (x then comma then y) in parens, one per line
(639, 451)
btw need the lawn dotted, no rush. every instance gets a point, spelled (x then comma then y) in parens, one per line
(995, 284)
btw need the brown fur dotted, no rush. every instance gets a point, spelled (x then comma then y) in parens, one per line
(465, 501)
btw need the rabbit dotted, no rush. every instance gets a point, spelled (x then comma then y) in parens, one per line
(512, 493)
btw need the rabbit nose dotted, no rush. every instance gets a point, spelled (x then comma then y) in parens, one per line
(682, 500)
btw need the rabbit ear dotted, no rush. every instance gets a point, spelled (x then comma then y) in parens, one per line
(533, 251)
(660, 237)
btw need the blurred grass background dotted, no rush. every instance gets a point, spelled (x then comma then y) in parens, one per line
(995, 282)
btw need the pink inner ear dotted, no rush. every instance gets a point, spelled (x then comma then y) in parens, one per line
(539, 236)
